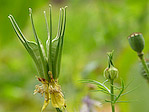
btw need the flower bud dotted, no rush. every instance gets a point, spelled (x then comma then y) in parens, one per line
(111, 73)
(136, 42)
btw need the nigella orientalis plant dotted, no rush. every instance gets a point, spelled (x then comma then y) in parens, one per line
(48, 64)
(137, 43)
(111, 73)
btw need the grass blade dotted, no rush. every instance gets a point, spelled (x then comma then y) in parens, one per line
(96, 83)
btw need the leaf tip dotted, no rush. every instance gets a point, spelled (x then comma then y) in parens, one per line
(50, 5)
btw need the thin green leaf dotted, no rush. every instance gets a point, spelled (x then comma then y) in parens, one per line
(117, 88)
(31, 47)
(100, 87)
(105, 81)
(104, 92)
(100, 91)
(96, 83)
(40, 48)
(130, 91)
(108, 101)
(125, 101)
(122, 85)
(128, 84)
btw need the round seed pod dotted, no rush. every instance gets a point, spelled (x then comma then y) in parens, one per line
(111, 73)
(136, 42)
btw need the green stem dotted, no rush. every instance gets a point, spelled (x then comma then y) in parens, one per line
(144, 63)
(112, 96)
(58, 110)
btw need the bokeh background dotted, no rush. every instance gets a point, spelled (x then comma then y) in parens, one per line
(93, 28)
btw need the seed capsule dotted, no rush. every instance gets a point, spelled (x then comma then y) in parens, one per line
(111, 73)
(136, 42)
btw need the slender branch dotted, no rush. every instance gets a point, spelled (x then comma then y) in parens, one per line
(144, 63)
(112, 96)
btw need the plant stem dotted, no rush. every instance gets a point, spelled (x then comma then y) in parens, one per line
(58, 110)
(112, 96)
(144, 63)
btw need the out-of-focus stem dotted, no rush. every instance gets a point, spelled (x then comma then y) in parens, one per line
(144, 63)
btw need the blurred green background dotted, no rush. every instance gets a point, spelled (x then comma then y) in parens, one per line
(93, 28)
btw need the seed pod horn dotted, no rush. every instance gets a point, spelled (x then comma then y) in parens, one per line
(110, 72)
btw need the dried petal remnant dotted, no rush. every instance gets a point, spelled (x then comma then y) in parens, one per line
(57, 97)
(38, 89)
(52, 91)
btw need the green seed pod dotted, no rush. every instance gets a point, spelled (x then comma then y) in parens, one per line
(136, 42)
(111, 73)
